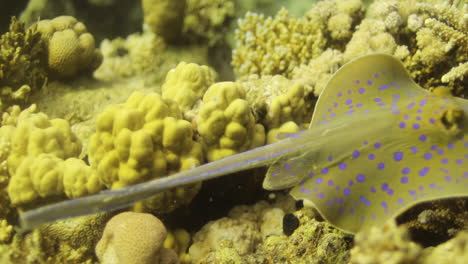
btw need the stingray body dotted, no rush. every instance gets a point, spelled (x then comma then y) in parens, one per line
(378, 143)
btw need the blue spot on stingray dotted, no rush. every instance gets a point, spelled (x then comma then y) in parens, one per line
(346, 191)
(423, 171)
(398, 156)
(356, 154)
(383, 87)
(360, 178)
(342, 166)
(381, 166)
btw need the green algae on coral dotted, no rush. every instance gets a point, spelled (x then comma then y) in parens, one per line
(351, 201)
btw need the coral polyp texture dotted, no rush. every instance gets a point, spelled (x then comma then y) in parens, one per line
(186, 84)
(268, 46)
(142, 139)
(42, 161)
(276, 45)
(71, 48)
(226, 122)
(23, 64)
(134, 238)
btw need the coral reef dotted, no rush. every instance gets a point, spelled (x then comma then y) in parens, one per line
(165, 18)
(134, 238)
(41, 161)
(226, 123)
(429, 37)
(180, 120)
(22, 64)
(138, 53)
(253, 234)
(71, 49)
(280, 44)
(141, 139)
(207, 21)
(187, 83)
(268, 46)
(390, 244)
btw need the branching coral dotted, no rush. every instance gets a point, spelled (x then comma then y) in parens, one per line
(430, 38)
(71, 49)
(226, 122)
(276, 45)
(280, 103)
(141, 139)
(22, 63)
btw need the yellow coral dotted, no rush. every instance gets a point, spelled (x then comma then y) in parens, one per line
(71, 49)
(134, 238)
(41, 160)
(142, 139)
(32, 133)
(278, 100)
(187, 83)
(226, 122)
(165, 17)
(138, 53)
(275, 45)
(207, 21)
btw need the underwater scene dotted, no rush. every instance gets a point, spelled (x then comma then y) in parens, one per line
(234, 131)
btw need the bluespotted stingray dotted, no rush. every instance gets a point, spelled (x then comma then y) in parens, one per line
(377, 144)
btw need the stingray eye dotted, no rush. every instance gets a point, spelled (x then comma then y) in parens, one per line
(452, 119)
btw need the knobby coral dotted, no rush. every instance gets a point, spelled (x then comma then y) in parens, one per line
(71, 49)
(142, 139)
(226, 122)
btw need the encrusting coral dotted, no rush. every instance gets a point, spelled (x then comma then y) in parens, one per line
(226, 122)
(142, 139)
(23, 64)
(254, 234)
(136, 54)
(71, 49)
(134, 238)
(390, 244)
(279, 102)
